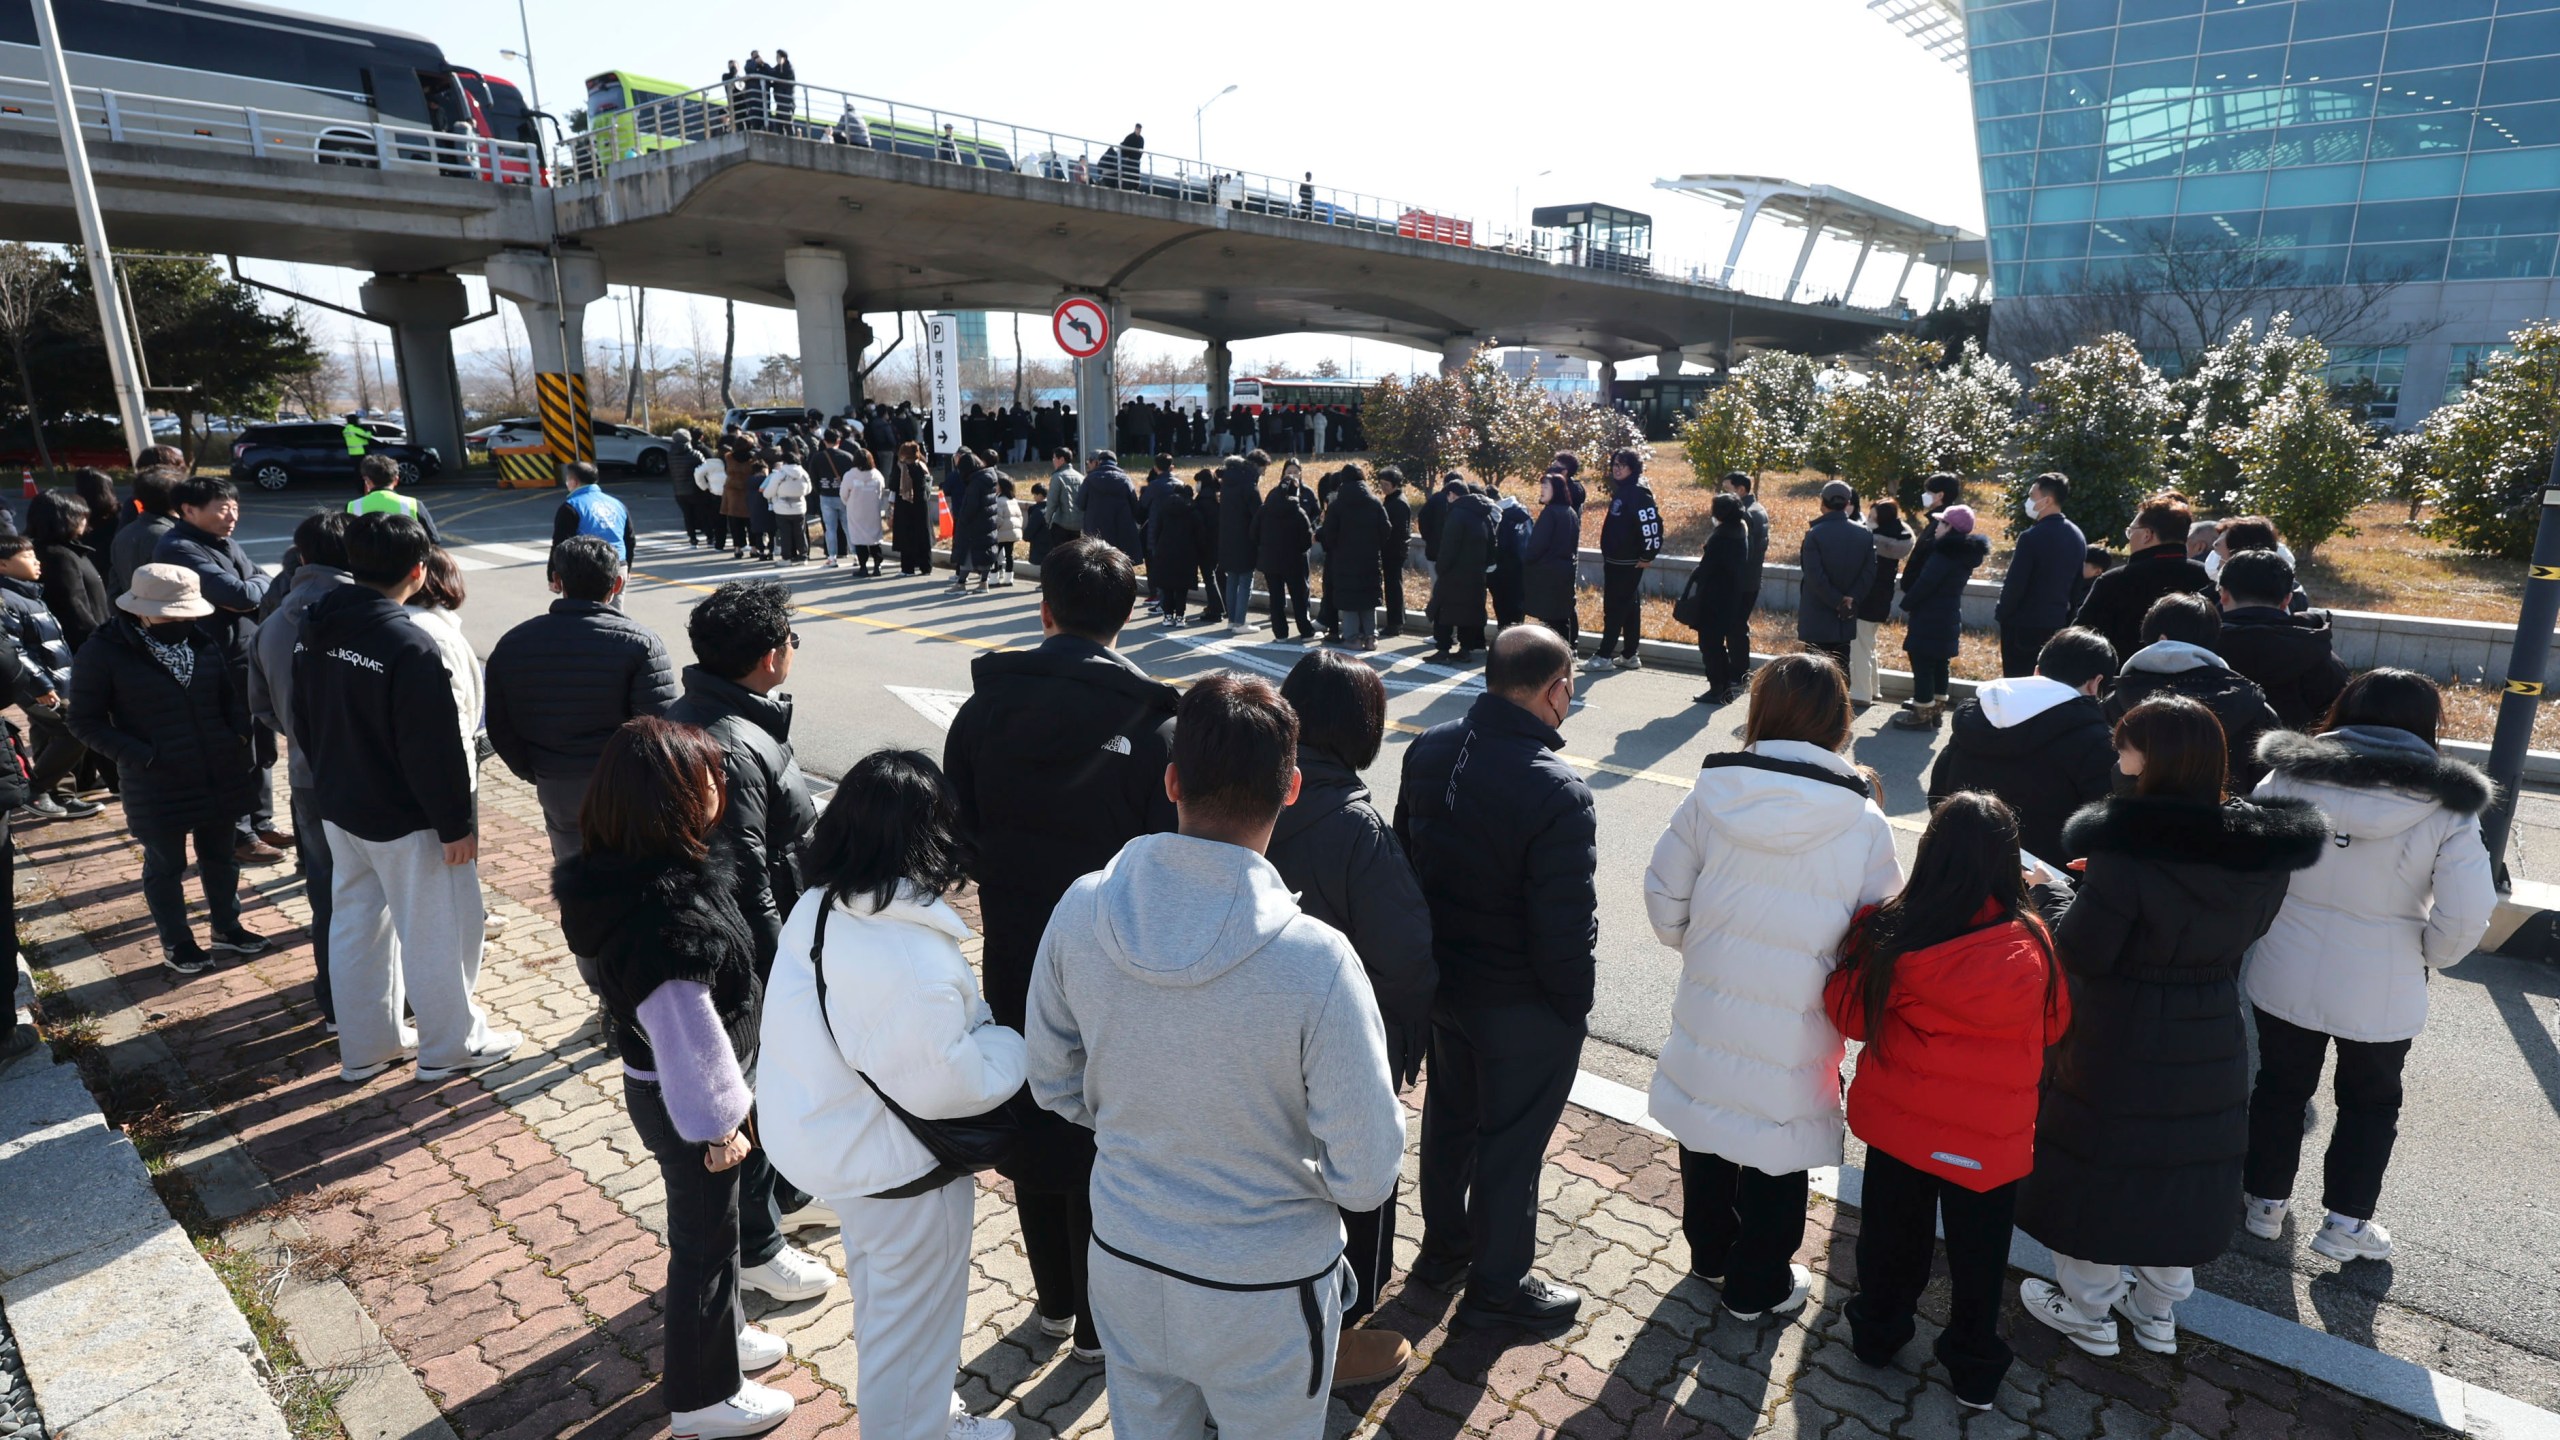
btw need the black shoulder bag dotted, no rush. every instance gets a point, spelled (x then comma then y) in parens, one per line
(959, 1147)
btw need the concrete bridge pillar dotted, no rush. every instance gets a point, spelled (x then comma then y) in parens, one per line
(1455, 352)
(857, 340)
(1608, 379)
(1097, 393)
(816, 276)
(1221, 377)
(1668, 363)
(550, 300)
(422, 311)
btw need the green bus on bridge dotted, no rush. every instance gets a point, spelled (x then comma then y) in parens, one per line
(630, 115)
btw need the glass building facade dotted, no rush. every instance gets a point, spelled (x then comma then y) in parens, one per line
(2416, 140)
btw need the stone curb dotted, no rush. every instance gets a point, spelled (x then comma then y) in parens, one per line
(328, 1326)
(2402, 1385)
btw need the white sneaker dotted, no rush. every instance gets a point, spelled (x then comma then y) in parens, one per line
(789, 1275)
(1058, 1327)
(2159, 1336)
(2048, 1304)
(493, 923)
(1631, 662)
(501, 1044)
(760, 1349)
(1795, 1298)
(752, 1411)
(1598, 662)
(2367, 1241)
(979, 1427)
(816, 1215)
(2264, 1218)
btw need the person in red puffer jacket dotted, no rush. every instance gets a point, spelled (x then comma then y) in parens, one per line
(1952, 985)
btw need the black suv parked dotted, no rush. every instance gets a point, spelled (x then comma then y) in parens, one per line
(274, 456)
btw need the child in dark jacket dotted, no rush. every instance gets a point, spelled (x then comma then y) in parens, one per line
(1953, 987)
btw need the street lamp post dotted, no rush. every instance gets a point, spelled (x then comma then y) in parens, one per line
(533, 86)
(1199, 130)
(121, 366)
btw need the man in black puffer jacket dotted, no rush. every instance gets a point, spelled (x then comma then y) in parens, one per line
(2179, 657)
(743, 646)
(561, 683)
(2287, 655)
(2040, 742)
(2158, 566)
(1239, 505)
(1058, 759)
(1281, 535)
(1505, 837)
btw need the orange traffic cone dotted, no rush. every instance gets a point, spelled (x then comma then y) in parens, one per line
(27, 482)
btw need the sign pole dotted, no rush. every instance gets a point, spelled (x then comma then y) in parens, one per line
(93, 238)
(2528, 660)
(942, 374)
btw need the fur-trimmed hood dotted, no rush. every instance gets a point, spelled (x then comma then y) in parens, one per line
(649, 921)
(2276, 833)
(2370, 758)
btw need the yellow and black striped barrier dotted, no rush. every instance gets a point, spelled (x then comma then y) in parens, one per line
(525, 467)
(567, 426)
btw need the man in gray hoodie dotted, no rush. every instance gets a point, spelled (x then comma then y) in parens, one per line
(1227, 1053)
(320, 542)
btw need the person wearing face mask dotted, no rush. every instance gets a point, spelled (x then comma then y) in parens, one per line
(2035, 596)
(1504, 836)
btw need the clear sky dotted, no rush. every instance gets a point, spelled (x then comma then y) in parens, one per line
(1464, 111)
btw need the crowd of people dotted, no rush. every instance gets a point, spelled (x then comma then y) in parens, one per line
(1211, 960)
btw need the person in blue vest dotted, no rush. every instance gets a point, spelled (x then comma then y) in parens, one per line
(587, 510)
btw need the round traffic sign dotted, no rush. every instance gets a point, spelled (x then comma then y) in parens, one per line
(1081, 326)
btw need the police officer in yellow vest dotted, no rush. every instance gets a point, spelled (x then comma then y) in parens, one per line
(381, 476)
(358, 438)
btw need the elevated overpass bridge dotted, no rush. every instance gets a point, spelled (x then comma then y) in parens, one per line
(927, 210)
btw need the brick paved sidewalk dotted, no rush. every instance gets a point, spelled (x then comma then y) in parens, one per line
(504, 1230)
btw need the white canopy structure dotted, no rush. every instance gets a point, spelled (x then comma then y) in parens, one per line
(1820, 210)
(1937, 26)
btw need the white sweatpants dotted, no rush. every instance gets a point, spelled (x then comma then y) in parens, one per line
(1180, 1355)
(1862, 663)
(907, 1263)
(2092, 1288)
(403, 923)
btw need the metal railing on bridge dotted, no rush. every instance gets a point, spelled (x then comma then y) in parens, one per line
(123, 116)
(826, 115)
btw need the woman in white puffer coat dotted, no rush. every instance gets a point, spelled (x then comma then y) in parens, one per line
(871, 1002)
(2404, 888)
(1754, 883)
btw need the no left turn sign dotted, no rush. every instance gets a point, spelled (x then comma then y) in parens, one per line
(1081, 327)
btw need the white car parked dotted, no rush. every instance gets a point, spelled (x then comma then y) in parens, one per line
(625, 447)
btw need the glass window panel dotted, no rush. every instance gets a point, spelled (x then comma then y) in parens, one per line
(2067, 167)
(2153, 81)
(2241, 29)
(2351, 56)
(2520, 82)
(2340, 17)
(2503, 170)
(2320, 144)
(2323, 185)
(2317, 267)
(2083, 15)
(2086, 50)
(2074, 127)
(2058, 242)
(2006, 209)
(2411, 179)
(2222, 192)
(2400, 135)
(2075, 89)
(1999, 137)
(2518, 125)
(2008, 244)
(2430, 46)
(2428, 91)
(2404, 220)
(2470, 362)
(2067, 202)
(2008, 97)
(2510, 7)
(2518, 36)
(2249, 80)
(2108, 238)
(2054, 277)
(2211, 154)
(2137, 11)
(2429, 12)
(2105, 272)
(2008, 172)
(2008, 62)
(2494, 215)
(2140, 197)
(2414, 264)
(2526, 257)
(2216, 230)
(2012, 22)
(2004, 279)
(2157, 41)
(2307, 229)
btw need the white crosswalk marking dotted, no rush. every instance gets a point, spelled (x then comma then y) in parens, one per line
(938, 706)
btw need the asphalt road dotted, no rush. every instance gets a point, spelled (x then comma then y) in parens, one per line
(2474, 1195)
